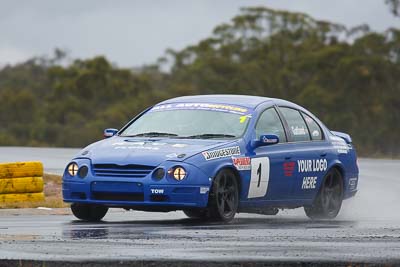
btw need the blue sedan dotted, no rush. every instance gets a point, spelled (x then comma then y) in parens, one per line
(213, 156)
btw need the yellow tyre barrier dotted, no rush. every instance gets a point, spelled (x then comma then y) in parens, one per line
(21, 185)
(28, 197)
(21, 169)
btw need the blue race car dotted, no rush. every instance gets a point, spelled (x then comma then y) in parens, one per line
(213, 156)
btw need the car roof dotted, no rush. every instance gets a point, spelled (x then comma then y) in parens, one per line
(240, 100)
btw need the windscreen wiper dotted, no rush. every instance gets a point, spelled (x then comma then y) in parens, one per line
(209, 136)
(151, 134)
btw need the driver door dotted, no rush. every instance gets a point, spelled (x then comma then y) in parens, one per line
(272, 167)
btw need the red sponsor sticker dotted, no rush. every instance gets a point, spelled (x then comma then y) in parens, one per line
(243, 163)
(288, 168)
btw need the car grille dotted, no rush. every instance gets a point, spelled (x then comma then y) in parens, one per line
(129, 171)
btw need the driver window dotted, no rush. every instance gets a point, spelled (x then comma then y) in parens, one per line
(270, 123)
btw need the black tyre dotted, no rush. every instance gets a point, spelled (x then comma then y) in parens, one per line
(197, 213)
(91, 213)
(330, 197)
(224, 197)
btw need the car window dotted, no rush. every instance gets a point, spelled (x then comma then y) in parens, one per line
(297, 126)
(191, 122)
(315, 130)
(270, 123)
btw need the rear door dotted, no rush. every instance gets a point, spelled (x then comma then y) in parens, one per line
(309, 152)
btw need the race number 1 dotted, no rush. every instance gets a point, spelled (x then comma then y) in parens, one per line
(259, 177)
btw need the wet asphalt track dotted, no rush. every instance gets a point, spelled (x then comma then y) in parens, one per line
(367, 231)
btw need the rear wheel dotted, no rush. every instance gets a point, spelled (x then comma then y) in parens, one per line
(86, 212)
(224, 196)
(329, 200)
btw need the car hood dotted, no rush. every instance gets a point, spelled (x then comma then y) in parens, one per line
(146, 151)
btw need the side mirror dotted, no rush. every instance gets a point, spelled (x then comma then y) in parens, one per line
(109, 132)
(266, 140)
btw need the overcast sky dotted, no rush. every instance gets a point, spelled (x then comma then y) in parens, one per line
(132, 33)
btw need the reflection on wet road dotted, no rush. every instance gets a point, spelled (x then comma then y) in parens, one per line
(139, 235)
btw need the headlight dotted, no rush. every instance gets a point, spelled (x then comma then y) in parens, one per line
(73, 169)
(179, 173)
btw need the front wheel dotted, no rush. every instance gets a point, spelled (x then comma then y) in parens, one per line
(86, 212)
(330, 197)
(224, 196)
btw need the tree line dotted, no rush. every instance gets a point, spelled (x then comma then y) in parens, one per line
(348, 77)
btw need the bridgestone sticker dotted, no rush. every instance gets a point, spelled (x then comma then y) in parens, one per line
(242, 164)
(222, 153)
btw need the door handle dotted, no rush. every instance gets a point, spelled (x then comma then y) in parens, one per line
(323, 154)
(288, 157)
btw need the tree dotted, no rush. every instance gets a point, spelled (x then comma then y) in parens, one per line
(394, 6)
(347, 77)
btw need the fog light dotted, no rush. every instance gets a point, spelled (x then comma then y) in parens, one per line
(83, 171)
(159, 174)
(73, 169)
(179, 173)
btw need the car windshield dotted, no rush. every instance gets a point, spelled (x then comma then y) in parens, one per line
(199, 122)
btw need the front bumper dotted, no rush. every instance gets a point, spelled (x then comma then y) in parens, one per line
(192, 192)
